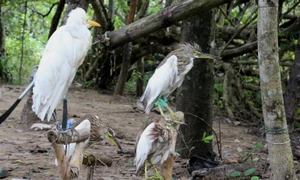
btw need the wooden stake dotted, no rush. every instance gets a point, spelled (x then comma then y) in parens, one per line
(167, 166)
(80, 135)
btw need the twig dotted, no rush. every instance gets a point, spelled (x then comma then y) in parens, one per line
(217, 139)
(248, 21)
(45, 15)
(229, 20)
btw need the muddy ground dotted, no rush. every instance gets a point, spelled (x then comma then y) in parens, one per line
(27, 153)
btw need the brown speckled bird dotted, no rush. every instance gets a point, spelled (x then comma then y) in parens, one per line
(99, 130)
(155, 142)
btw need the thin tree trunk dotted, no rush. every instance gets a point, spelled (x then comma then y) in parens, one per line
(277, 137)
(292, 94)
(126, 55)
(196, 93)
(3, 77)
(23, 43)
(140, 79)
(28, 117)
(56, 17)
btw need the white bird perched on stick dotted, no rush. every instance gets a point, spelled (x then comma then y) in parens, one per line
(64, 53)
(169, 75)
(156, 142)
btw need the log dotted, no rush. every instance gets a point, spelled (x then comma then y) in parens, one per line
(164, 18)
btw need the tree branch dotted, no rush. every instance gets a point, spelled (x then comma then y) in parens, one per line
(162, 19)
(45, 15)
(228, 54)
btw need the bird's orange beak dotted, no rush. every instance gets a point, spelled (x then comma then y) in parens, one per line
(93, 23)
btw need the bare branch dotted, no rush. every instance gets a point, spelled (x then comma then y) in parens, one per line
(247, 48)
(45, 15)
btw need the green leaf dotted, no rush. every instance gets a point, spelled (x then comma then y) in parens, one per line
(249, 171)
(239, 149)
(254, 178)
(235, 174)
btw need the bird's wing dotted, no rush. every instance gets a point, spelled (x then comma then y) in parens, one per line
(160, 83)
(144, 146)
(56, 71)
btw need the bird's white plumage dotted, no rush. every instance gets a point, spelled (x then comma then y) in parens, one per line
(162, 82)
(64, 53)
(144, 146)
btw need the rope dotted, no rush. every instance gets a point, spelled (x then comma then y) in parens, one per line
(283, 130)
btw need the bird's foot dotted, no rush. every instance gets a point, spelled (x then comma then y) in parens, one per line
(157, 176)
(74, 171)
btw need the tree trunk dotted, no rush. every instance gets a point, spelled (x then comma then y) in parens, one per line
(23, 42)
(126, 55)
(3, 77)
(124, 69)
(279, 148)
(196, 93)
(28, 117)
(140, 79)
(56, 17)
(292, 94)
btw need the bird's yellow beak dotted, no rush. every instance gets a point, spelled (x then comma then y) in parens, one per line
(202, 55)
(93, 23)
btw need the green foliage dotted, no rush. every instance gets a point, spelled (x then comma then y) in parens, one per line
(207, 139)
(254, 178)
(235, 174)
(35, 35)
(131, 83)
(248, 172)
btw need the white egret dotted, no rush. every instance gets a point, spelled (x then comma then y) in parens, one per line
(169, 75)
(64, 53)
(155, 143)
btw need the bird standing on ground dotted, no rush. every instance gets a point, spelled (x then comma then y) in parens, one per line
(155, 143)
(64, 53)
(169, 75)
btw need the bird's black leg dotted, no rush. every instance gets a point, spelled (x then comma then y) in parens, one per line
(65, 113)
(65, 117)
